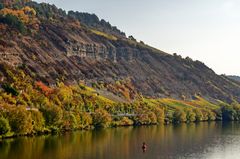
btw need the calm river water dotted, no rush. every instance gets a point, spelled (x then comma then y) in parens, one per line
(212, 140)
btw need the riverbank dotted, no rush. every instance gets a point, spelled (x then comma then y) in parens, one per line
(31, 107)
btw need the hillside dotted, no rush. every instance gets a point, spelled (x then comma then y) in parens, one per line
(60, 47)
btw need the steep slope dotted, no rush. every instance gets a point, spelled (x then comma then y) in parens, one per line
(57, 47)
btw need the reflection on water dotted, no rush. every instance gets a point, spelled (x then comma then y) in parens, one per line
(203, 140)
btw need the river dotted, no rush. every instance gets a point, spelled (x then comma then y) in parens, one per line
(213, 140)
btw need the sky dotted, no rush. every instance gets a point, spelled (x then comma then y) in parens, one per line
(205, 30)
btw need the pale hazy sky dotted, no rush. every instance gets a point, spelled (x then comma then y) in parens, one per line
(205, 30)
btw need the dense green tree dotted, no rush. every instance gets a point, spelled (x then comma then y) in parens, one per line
(53, 115)
(199, 114)
(4, 126)
(38, 121)
(14, 22)
(211, 115)
(20, 120)
(9, 89)
(69, 121)
(191, 116)
(236, 107)
(179, 116)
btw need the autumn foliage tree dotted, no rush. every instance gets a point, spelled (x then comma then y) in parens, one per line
(45, 89)
(20, 120)
(101, 118)
(19, 18)
(4, 126)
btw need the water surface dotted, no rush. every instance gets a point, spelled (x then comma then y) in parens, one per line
(212, 140)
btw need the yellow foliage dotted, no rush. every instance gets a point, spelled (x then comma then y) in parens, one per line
(29, 11)
(108, 36)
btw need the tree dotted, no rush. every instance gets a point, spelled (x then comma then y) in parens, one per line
(160, 115)
(179, 116)
(69, 121)
(101, 118)
(191, 116)
(228, 113)
(13, 21)
(152, 117)
(144, 117)
(211, 115)
(4, 126)
(53, 115)
(236, 107)
(199, 114)
(20, 120)
(38, 121)
(9, 89)
(85, 120)
(132, 38)
(125, 121)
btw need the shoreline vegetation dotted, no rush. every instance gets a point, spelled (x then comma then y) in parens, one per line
(29, 107)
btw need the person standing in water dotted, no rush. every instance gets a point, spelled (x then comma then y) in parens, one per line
(144, 147)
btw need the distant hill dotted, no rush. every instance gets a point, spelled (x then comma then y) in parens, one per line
(51, 45)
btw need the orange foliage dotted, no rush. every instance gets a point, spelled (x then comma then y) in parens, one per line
(18, 13)
(45, 89)
(27, 15)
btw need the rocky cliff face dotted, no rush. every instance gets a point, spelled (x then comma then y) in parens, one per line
(65, 50)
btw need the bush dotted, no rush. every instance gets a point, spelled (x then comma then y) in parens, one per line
(145, 117)
(4, 126)
(191, 116)
(141, 119)
(152, 117)
(160, 115)
(211, 116)
(101, 118)
(20, 120)
(53, 115)
(199, 115)
(84, 120)
(38, 121)
(69, 121)
(179, 116)
(125, 121)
